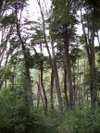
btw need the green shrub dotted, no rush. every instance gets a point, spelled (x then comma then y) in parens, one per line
(14, 116)
(80, 121)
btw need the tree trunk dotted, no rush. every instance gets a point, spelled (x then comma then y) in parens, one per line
(74, 86)
(56, 78)
(65, 83)
(93, 88)
(52, 61)
(27, 85)
(41, 82)
(39, 95)
(89, 42)
(51, 91)
(43, 89)
(68, 65)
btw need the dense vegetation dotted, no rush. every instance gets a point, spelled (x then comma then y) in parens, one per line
(57, 92)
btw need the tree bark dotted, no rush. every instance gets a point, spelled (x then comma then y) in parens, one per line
(39, 95)
(51, 91)
(89, 42)
(28, 85)
(65, 84)
(56, 78)
(41, 81)
(68, 66)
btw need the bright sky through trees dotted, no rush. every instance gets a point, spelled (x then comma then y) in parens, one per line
(33, 10)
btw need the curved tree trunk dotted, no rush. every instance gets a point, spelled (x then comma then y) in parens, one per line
(28, 85)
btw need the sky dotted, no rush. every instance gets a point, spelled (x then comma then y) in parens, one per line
(33, 10)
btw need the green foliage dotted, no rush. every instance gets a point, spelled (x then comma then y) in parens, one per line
(39, 58)
(13, 109)
(8, 20)
(14, 116)
(80, 121)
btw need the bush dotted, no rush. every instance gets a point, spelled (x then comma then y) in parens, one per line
(14, 117)
(81, 121)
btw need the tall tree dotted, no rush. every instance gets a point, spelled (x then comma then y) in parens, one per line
(52, 60)
(64, 20)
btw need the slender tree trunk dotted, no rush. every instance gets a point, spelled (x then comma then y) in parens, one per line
(39, 95)
(78, 74)
(74, 86)
(56, 78)
(51, 91)
(52, 61)
(43, 89)
(93, 79)
(68, 65)
(65, 84)
(84, 73)
(93, 86)
(42, 83)
(89, 42)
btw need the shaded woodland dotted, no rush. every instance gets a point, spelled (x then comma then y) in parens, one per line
(57, 91)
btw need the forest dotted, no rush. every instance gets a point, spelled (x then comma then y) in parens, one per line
(50, 66)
